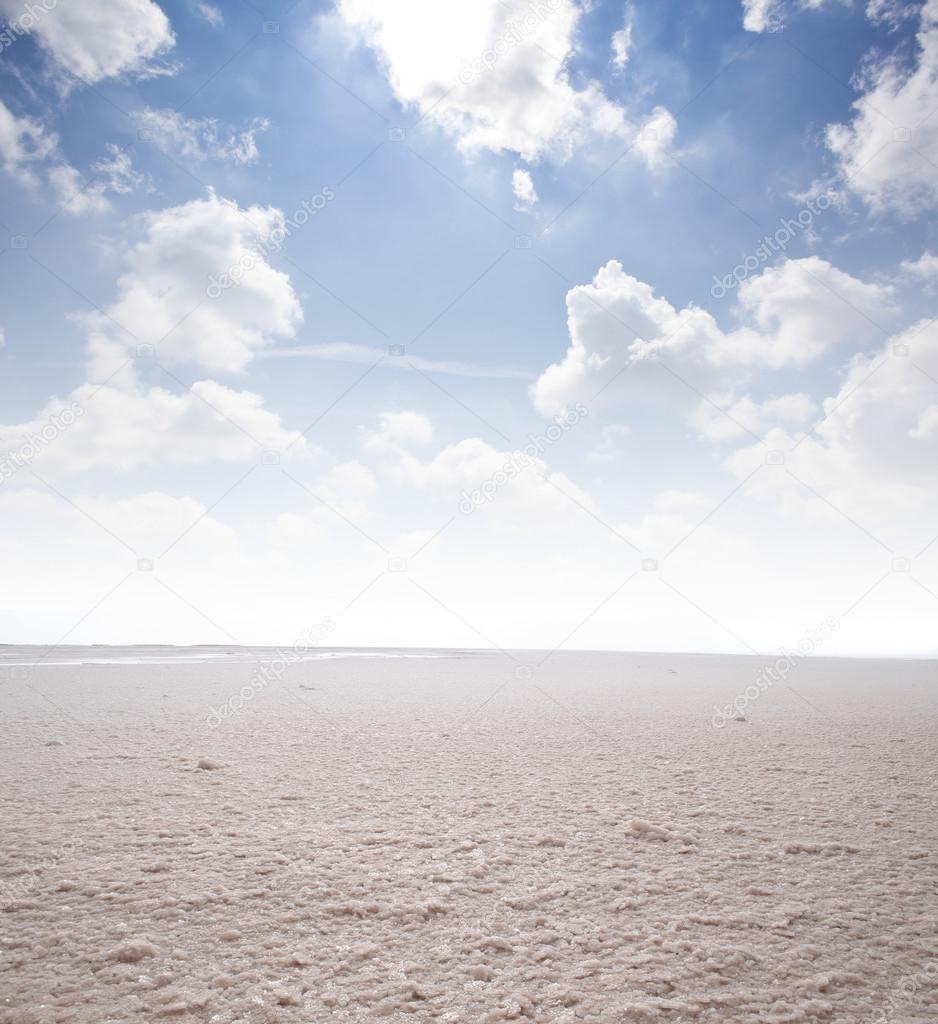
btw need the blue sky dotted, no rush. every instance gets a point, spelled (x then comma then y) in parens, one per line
(486, 252)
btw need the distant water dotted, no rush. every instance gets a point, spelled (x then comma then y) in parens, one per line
(155, 654)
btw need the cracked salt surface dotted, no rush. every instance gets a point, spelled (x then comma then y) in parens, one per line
(441, 840)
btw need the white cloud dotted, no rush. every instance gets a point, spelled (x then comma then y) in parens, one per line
(211, 14)
(111, 175)
(23, 142)
(162, 298)
(521, 478)
(75, 195)
(151, 521)
(522, 186)
(620, 331)
(348, 487)
(98, 39)
(622, 42)
(802, 308)
(729, 418)
(655, 137)
(925, 268)
(130, 426)
(200, 138)
(761, 15)
(161, 301)
(769, 15)
(28, 149)
(398, 432)
(675, 515)
(610, 443)
(890, 12)
(493, 74)
(116, 172)
(886, 153)
(880, 426)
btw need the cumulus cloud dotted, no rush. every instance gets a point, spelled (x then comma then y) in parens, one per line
(727, 418)
(881, 425)
(491, 73)
(162, 295)
(131, 426)
(801, 309)
(472, 469)
(200, 138)
(161, 303)
(98, 39)
(348, 487)
(886, 152)
(398, 432)
(611, 441)
(925, 268)
(522, 185)
(621, 333)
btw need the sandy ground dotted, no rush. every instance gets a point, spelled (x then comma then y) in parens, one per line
(468, 839)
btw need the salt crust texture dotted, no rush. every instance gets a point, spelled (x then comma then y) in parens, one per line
(453, 840)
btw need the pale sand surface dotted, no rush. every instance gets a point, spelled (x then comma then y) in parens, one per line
(445, 839)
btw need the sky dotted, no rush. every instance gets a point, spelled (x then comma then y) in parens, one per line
(552, 325)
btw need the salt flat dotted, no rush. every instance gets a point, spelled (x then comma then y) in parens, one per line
(471, 838)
